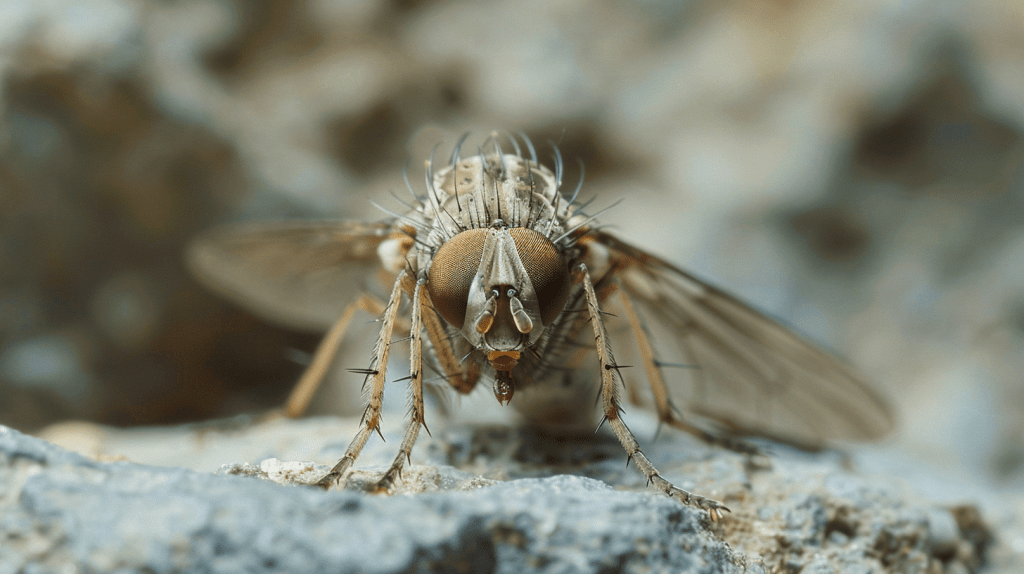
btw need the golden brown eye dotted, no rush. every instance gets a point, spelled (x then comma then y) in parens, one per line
(546, 269)
(452, 272)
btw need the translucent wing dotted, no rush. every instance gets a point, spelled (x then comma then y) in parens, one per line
(299, 274)
(727, 362)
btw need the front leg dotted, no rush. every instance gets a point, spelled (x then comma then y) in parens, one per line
(373, 385)
(612, 410)
(462, 379)
(415, 392)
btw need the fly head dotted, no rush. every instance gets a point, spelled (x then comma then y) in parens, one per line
(501, 287)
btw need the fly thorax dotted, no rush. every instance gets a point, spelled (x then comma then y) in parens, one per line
(476, 190)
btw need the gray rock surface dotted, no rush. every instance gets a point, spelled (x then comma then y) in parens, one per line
(66, 512)
(476, 499)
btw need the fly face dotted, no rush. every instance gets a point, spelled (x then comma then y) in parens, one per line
(500, 269)
(502, 304)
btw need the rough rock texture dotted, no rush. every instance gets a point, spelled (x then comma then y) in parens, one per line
(476, 499)
(64, 510)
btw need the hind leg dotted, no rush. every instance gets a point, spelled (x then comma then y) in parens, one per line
(667, 413)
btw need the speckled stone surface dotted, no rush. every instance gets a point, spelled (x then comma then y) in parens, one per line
(62, 511)
(476, 499)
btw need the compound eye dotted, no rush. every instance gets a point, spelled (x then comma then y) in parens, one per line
(451, 274)
(547, 271)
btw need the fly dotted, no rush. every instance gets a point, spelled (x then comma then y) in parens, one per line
(509, 281)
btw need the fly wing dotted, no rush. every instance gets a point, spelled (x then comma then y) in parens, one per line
(727, 362)
(298, 274)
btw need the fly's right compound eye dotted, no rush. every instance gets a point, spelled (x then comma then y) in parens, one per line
(451, 274)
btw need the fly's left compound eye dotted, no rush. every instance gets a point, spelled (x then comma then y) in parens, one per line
(451, 274)
(547, 271)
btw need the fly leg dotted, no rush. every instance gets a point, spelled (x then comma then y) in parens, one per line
(415, 393)
(461, 379)
(373, 385)
(314, 375)
(612, 410)
(662, 401)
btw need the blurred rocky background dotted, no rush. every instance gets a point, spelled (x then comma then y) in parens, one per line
(853, 168)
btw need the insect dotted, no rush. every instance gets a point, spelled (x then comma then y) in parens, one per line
(509, 281)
